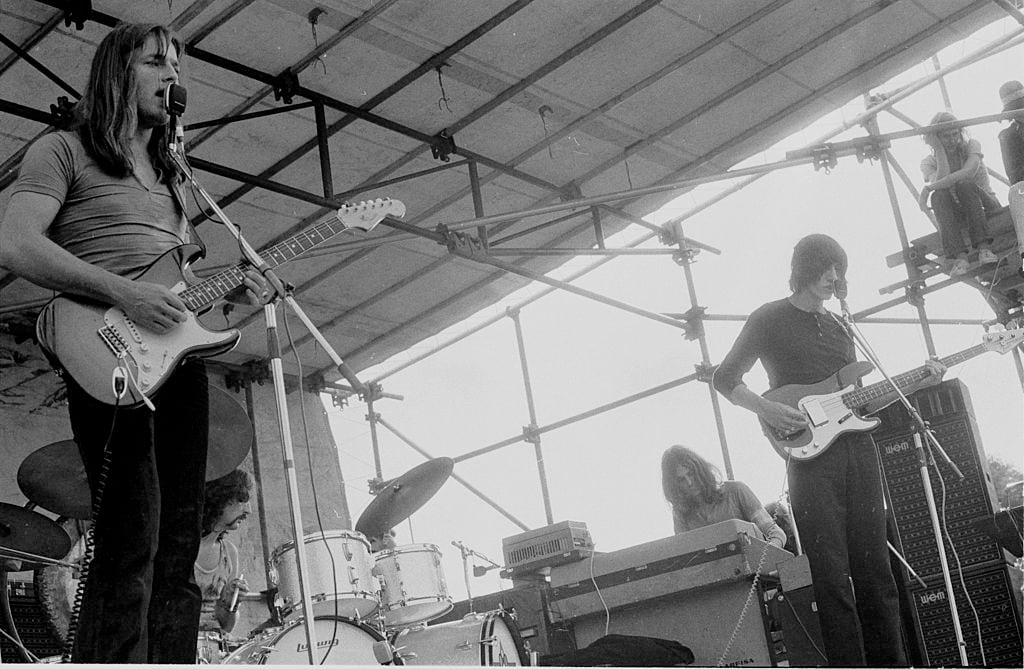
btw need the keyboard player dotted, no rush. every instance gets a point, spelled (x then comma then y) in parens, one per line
(699, 497)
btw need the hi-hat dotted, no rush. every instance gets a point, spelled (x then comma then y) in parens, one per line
(53, 476)
(400, 497)
(25, 531)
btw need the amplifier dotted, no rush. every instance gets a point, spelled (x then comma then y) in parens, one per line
(1000, 630)
(561, 543)
(32, 623)
(947, 408)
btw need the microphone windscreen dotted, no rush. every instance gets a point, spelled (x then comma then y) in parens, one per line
(841, 288)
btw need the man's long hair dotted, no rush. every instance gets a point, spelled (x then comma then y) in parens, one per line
(233, 487)
(812, 256)
(107, 114)
(706, 476)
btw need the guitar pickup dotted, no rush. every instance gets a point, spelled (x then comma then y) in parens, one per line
(816, 415)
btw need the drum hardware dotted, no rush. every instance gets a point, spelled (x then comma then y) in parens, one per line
(413, 585)
(54, 478)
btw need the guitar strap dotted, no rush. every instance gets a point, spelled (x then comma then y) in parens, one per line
(193, 235)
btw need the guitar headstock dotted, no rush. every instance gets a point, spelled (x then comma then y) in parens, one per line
(1003, 341)
(367, 214)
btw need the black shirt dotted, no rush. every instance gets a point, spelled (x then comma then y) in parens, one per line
(795, 346)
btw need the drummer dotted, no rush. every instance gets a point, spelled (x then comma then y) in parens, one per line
(385, 542)
(217, 569)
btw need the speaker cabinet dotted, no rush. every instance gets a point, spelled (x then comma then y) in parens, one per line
(999, 634)
(947, 408)
(32, 623)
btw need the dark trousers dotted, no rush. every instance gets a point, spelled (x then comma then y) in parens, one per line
(141, 602)
(963, 205)
(838, 508)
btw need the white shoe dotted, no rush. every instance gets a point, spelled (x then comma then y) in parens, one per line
(986, 257)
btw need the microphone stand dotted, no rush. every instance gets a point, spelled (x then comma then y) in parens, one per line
(924, 458)
(277, 374)
(466, 551)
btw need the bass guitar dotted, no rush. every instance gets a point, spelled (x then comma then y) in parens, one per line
(834, 406)
(120, 362)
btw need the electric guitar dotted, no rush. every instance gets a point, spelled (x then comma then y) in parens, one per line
(104, 351)
(832, 407)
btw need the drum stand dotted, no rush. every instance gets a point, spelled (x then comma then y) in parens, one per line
(277, 373)
(925, 457)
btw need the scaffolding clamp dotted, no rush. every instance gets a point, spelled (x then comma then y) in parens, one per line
(915, 294)
(531, 434)
(871, 150)
(461, 243)
(286, 85)
(62, 112)
(443, 146)
(77, 12)
(705, 371)
(693, 323)
(824, 157)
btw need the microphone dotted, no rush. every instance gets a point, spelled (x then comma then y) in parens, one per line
(841, 289)
(175, 100)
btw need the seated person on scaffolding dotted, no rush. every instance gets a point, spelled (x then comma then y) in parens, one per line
(1011, 143)
(957, 181)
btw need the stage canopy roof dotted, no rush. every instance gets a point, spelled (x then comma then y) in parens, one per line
(459, 108)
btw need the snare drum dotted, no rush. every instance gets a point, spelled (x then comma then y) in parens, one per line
(341, 642)
(213, 646)
(478, 640)
(413, 586)
(339, 575)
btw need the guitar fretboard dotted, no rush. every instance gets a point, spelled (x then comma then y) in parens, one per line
(211, 289)
(856, 399)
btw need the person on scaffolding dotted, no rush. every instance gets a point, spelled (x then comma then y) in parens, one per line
(958, 188)
(1011, 144)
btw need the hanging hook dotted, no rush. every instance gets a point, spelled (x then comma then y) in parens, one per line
(444, 96)
(314, 18)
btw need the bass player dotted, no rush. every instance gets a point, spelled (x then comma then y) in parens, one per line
(92, 208)
(837, 496)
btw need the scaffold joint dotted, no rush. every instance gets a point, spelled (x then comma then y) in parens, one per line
(461, 243)
(871, 150)
(693, 322)
(824, 157)
(443, 146)
(915, 294)
(285, 85)
(62, 112)
(531, 434)
(77, 12)
(705, 371)
(374, 392)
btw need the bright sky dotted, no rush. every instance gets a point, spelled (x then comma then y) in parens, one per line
(605, 471)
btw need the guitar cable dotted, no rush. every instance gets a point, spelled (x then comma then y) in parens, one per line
(310, 617)
(90, 543)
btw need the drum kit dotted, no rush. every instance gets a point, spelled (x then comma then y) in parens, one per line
(369, 606)
(375, 607)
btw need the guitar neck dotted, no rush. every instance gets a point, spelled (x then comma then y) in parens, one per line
(199, 296)
(883, 391)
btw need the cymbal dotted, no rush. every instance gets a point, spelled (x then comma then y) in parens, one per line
(400, 497)
(30, 532)
(53, 476)
(231, 434)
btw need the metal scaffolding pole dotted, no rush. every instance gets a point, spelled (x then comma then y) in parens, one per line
(918, 301)
(466, 484)
(685, 258)
(530, 432)
(581, 416)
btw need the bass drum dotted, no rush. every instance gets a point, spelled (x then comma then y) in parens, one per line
(478, 640)
(56, 585)
(341, 641)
